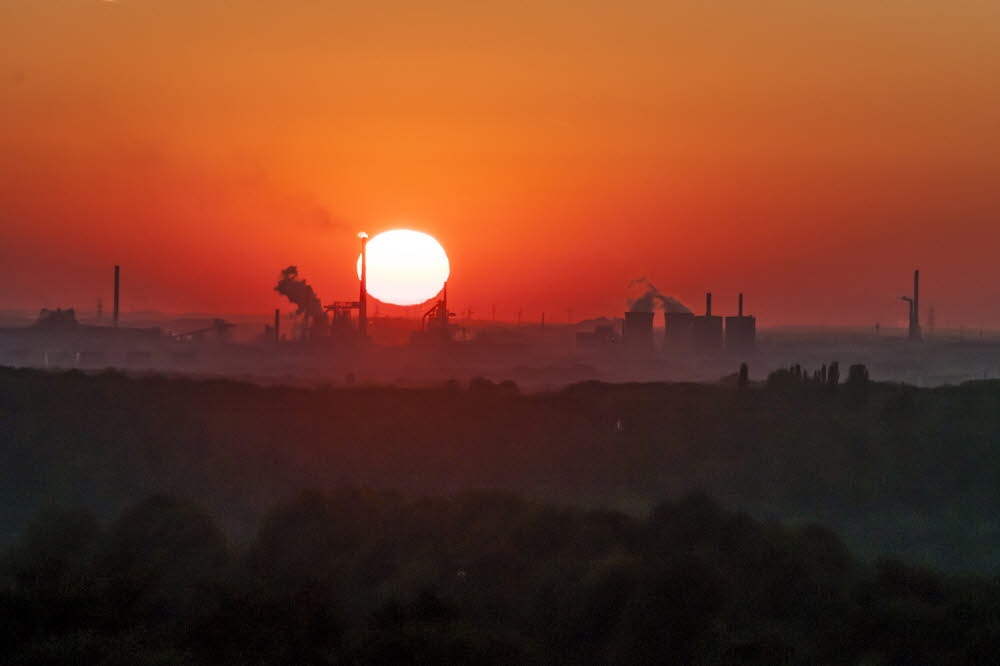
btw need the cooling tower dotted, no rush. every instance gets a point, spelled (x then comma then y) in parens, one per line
(639, 332)
(678, 334)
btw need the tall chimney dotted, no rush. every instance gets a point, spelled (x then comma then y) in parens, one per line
(363, 297)
(117, 271)
(915, 312)
(277, 325)
(708, 304)
(741, 305)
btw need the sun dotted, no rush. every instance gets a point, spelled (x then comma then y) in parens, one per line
(405, 267)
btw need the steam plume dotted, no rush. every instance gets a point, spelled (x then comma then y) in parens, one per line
(648, 300)
(301, 294)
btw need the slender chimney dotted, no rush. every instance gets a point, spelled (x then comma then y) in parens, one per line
(708, 304)
(444, 314)
(277, 325)
(363, 296)
(915, 311)
(741, 305)
(117, 271)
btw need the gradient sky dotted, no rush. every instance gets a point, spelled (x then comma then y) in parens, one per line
(810, 154)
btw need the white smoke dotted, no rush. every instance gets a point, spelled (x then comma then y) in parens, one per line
(648, 300)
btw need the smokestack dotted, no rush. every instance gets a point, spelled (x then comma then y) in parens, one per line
(708, 304)
(915, 310)
(117, 271)
(741, 330)
(277, 325)
(363, 297)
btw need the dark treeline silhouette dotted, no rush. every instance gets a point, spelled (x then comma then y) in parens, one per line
(357, 577)
(892, 469)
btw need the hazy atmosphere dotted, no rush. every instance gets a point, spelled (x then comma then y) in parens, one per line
(807, 153)
(551, 333)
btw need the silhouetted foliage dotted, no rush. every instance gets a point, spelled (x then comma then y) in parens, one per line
(744, 378)
(833, 374)
(356, 577)
(893, 469)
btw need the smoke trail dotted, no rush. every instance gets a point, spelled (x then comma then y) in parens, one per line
(301, 294)
(648, 300)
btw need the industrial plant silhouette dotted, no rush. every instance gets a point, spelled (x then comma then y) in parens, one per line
(323, 340)
(333, 487)
(675, 341)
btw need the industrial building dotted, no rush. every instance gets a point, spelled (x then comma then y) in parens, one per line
(435, 324)
(638, 333)
(601, 338)
(707, 329)
(741, 331)
(678, 332)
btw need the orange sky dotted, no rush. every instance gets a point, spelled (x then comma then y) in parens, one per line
(810, 154)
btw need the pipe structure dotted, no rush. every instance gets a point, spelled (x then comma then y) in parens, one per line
(117, 272)
(363, 295)
(708, 304)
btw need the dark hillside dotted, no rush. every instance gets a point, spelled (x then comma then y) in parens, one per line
(893, 469)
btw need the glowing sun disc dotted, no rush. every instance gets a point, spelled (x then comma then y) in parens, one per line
(405, 267)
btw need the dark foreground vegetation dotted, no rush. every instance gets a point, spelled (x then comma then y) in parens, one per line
(363, 578)
(892, 469)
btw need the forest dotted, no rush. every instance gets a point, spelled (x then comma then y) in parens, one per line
(896, 471)
(360, 577)
(799, 520)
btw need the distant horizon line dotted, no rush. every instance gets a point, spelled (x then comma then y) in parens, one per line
(533, 321)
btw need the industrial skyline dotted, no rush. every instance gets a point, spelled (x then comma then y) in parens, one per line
(450, 332)
(809, 175)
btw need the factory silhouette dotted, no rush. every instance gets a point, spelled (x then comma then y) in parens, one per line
(339, 339)
(683, 331)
